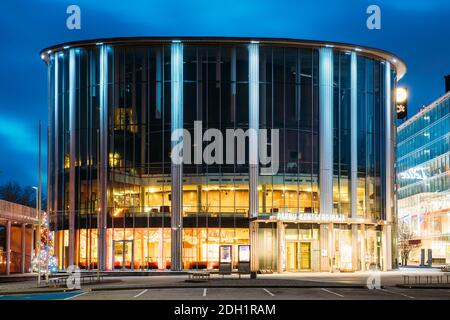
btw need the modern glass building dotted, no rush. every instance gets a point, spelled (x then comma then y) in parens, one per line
(424, 179)
(118, 201)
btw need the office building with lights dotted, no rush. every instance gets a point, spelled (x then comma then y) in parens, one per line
(424, 180)
(118, 201)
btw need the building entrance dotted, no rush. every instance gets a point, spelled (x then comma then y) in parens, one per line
(298, 256)
(123, 254)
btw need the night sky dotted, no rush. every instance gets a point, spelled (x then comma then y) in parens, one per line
(416, 31)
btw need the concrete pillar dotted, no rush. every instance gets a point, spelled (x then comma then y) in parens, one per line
(389, 158)
(384, 251)
(23, 245)
(355, 251)
(326, 130)
(254, 227)
(353, 136)
(176, 66)
(331, 246)
(253, 112)
(32, 243)
(103, 158)
(8, 247)
(324, 254)
(326, 232)
(56, 133)
(281, 262)
(72, 149)
(386, 247)
(363, 247)
(264, 198)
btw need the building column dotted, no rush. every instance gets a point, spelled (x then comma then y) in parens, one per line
(389, 158)
(56, 144)
(331, 251)
(254, 250)
(363, 247)
(8, 247)
(72, 150)
(384, 250)
(253, 112)
(355, 252)
(326, 130)
(264, 198)
(353, 136)
(326, 232)
(281, 258)
(176, 66)
(32, 244)
(324, 255)
(103, 159)
(23, 245)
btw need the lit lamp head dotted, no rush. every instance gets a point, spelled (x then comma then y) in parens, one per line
(401, 95)
(401, 101)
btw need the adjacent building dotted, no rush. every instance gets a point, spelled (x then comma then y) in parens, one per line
(116, 200)
(424, 180)
(16, 237)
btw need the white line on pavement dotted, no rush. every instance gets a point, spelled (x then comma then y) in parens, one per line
(140, 293)
(335, 293)
(402, 294)
(77, 295)
(268, 292)
(204, 292)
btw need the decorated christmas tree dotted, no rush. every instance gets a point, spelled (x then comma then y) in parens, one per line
(47, 249)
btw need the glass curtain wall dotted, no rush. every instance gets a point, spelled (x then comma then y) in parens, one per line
(215, 195)
(370, 135)
(289, 103)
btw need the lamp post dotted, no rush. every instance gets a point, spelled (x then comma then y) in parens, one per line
(38, 235)
(39, 205)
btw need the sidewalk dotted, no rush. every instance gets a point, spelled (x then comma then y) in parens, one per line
(137, 280)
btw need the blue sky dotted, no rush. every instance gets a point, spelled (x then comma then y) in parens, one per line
(417, 31)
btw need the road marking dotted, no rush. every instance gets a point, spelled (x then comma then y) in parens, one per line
(268, 292)
(335, 293)
(77, 295)
(140, 293)
(402, 294)
(204, 292)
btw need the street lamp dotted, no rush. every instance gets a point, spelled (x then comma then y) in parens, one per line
(38, 236)
(401, 101)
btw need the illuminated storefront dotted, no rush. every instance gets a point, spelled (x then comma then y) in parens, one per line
(117, 201)
(424, 180)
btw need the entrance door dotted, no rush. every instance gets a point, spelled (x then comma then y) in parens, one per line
(305, 255)
(123, 254)
(298, 256)
(292, 256)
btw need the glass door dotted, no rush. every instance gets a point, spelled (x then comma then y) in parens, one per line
(298, 256)
(305, 255)
(123, 254)
(292, 256)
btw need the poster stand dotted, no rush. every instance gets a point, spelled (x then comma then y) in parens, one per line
(225, 259)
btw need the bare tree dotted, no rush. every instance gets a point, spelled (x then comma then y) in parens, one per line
(14, 192)
(405, 245)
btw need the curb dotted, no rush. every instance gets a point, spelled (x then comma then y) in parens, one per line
(225, 286)
(24, 292)
(414, 286)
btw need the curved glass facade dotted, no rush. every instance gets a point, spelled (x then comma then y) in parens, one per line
(114, 193)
